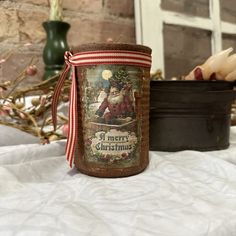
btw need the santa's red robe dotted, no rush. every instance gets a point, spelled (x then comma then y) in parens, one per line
(119, 110)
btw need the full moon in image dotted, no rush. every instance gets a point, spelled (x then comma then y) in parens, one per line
(106, 74)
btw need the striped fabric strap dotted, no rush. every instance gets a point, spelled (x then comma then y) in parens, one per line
(84, 59)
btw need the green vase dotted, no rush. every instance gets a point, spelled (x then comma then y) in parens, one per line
(56, 45)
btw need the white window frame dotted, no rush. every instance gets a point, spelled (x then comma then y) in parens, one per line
(150, 19)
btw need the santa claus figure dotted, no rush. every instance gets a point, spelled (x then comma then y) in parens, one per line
(118, 104)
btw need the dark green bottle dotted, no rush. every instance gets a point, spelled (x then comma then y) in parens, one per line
(56, 45)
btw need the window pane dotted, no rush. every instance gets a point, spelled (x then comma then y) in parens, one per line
(229, 40)
(228, 10)
(184, 49)
(196, 8)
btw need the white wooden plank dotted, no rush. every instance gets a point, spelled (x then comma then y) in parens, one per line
(175, 18)
(216, 39)
(228, 28)
(152, 31)
(138, 21)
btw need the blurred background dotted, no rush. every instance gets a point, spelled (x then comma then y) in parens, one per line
(90, 20)
(99, 21)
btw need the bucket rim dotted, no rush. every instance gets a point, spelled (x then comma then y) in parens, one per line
(193, 81)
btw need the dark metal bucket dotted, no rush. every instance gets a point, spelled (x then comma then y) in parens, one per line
(193, 115)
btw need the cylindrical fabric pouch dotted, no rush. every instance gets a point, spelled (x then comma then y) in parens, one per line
(109, 109)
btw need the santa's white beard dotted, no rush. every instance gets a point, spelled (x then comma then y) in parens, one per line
(115, 99)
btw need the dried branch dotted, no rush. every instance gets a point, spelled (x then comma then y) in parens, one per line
(34, 119)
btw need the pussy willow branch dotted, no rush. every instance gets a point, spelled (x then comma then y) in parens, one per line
(37, 115)
(18, 80)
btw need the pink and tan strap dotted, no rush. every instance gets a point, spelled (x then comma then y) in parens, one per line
(85, 59)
